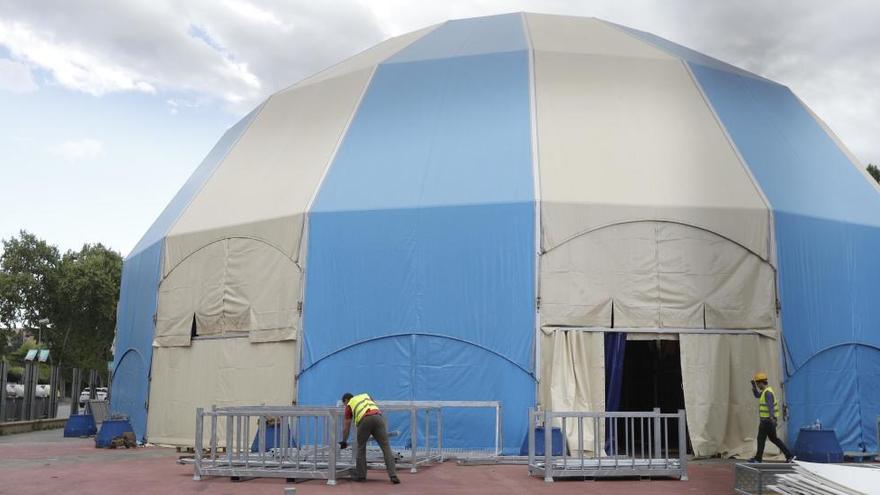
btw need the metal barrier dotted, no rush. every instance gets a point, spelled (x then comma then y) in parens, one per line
(755, 478)
(303, 443)
(446, 452)
(649, 457)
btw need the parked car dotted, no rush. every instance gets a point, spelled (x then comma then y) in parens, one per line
(100, 394)
(16, 390)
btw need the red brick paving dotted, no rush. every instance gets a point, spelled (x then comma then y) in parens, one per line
(48, 465)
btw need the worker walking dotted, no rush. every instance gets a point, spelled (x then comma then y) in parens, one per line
(768, 411)
(369, 422)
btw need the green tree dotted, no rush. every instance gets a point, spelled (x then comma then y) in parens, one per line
(83, 310)
(27, 269)
(874, 171)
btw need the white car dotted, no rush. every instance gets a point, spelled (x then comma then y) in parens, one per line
(100, 394)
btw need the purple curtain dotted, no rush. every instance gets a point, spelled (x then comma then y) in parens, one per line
(615, 347)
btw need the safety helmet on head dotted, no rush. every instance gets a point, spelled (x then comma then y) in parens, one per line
(760, 376)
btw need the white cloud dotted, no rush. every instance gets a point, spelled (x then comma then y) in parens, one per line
(16, 77)
(80, 149)
(240, 51)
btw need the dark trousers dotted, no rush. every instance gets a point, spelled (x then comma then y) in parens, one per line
(767, 429)
(373, 426)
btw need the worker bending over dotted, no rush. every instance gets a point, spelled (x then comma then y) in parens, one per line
(768, 411)
(369, 422)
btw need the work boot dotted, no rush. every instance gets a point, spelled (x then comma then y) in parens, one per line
(395, 480)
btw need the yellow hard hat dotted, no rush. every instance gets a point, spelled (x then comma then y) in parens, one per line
(760, 376)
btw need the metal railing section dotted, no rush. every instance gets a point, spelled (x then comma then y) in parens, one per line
(303, 443)
(638, 444)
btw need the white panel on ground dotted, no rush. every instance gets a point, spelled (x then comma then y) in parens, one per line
(222, 372)
(722, 413)
(628, 138)
(812, 478)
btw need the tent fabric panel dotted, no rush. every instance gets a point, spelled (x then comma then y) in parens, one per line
(225, 372)
(425, 222)
(827, 235)
(624, 139)
(134, 334)
(656, 275)
(130, 389)
(284, 154)
(366, 59)
(722, 412)
(577, 382)
(564, 34)
(196, 181)
(467, 37)
(685, 53)
(233, 285)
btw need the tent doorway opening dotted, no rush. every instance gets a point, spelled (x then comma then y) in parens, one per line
(652, 378)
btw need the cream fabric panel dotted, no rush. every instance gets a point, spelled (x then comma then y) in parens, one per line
(233, 285)
(574, 379)
(554, 33)
(722, 413)
(264, 185)
(222, 372)
(655, 275)
(623, 139)
(367, 58)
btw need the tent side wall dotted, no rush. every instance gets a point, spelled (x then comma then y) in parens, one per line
(827, 225)
(141, 273)
(420, 277)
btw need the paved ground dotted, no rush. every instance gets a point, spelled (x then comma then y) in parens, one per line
(45, 463)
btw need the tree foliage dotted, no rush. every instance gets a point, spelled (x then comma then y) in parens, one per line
(27, 269)
(77, 292)
(874, 171)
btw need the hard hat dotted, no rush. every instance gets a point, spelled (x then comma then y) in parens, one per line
(760, 376)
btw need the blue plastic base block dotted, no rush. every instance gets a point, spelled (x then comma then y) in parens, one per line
(80, 425)
(110, 429)
(555, 439)
(272, 437)
(818, 446)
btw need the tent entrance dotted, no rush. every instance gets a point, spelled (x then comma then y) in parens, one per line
(651, 378)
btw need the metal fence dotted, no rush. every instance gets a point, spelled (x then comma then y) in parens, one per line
(302, 442)
(609, 444)
(31, 400)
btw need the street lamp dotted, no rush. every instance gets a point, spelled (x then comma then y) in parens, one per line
(43, 322)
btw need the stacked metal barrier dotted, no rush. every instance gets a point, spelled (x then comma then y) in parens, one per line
(649, 457)
(304, 440)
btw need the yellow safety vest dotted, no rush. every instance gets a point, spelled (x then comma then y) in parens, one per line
(359, 405)
(764, 408)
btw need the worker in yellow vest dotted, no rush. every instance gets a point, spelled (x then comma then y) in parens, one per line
(768, 411)
(369, 422)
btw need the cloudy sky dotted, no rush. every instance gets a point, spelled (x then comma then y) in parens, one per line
(106, 107)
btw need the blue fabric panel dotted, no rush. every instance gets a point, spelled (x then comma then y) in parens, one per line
(615, 352)
(827, 224)
(138, 295)
(464, 37)
(203, 172)
(685, 53)
(425, 225)
(134, 335)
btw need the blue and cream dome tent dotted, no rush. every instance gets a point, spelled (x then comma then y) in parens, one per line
(479, 209)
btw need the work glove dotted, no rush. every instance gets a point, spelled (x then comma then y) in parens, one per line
(343, 445)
